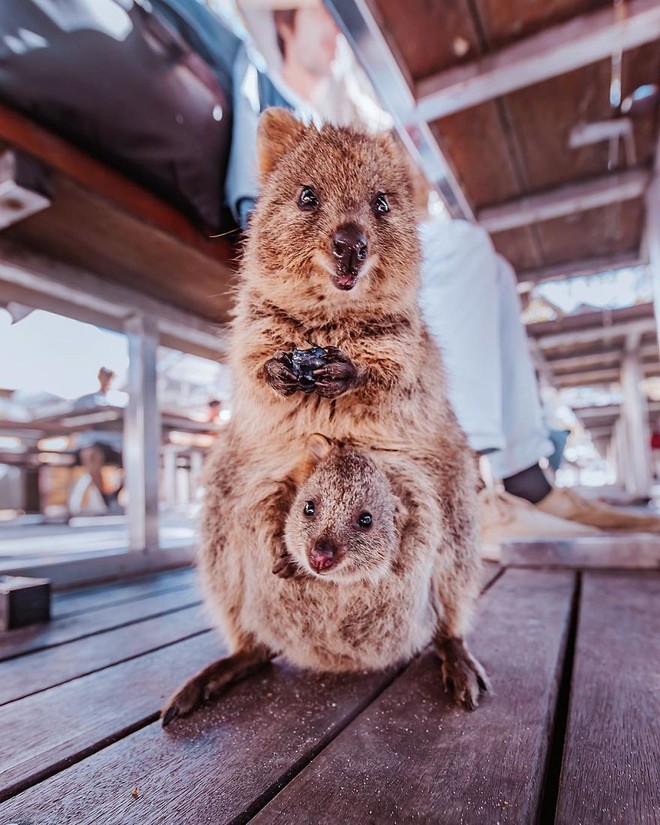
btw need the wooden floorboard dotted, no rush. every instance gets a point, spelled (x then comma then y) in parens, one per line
(25, 675)
(60, 631)
(412, 757)
(631, 551)
(212, 768)
(44, 732)
(611, 768)
(87, 599)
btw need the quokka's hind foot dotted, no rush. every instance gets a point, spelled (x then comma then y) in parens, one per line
(211, 681)
(462, 675)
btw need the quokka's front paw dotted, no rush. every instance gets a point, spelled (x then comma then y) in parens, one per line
(280, 376)
(462, 675)
(286, 568)
(339, 375)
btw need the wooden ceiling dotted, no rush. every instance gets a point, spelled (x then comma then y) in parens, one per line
(516, 145)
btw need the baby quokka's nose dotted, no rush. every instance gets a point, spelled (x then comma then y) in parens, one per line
(349, 248)
(323, 555)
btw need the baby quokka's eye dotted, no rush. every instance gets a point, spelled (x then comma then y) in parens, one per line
(309, 509)
(380, 204)
(307, 199)
(365, 520)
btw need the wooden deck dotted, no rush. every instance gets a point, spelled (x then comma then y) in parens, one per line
(571, 735)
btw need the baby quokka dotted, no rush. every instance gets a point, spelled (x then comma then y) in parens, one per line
(373, 542)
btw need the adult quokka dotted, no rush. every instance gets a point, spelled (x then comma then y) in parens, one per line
(332, 258)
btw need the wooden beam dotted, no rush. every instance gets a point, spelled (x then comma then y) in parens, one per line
(57, 287)
(555, 51)
(589, 379)
(565, 200)
(597, 334)
(575, 363)
(576, 269)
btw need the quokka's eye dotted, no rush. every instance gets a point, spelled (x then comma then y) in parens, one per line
(380, 204)
(309, 509)
(307, 198)
(365, 520)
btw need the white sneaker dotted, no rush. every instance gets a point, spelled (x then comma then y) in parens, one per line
(504, 516)
(571, 506)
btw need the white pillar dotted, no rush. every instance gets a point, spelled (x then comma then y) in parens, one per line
(142, 434)
(635, 417)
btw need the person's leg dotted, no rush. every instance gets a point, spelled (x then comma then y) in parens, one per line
(91, 458)
(526, 435)
(460, 302)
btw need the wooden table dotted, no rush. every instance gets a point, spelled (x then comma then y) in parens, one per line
(570, 736)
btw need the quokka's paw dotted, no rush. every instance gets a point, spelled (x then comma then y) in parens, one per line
(462, 675)
(285, 567)
(184, 701)
(279, 374)
(339, 375)
(213, 680)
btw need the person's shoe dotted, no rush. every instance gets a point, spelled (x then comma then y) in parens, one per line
(504, 516)
(567, 504)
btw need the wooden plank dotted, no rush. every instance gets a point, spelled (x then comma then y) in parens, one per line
(86, 599)
(505, 23)
(544, 115)
(23, 676)
(43, 732)
(578, 268)
(608, 230)
(611, 767)
(411, 756)
(552, 52)
(208, 768)
(421, 34)
(567, 199)
(59, 631)
(211, 768)
(519, 247)
(84, 229)
(479, 133)
(629, 551)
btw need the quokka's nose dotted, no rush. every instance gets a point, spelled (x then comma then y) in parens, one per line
(349, 248)
(322, 556)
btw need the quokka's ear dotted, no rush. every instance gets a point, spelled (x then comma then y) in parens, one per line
(278, 133)
(401, 515)
(317, 448)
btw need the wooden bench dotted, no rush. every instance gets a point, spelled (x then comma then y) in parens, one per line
(102, 221)
(570, 736)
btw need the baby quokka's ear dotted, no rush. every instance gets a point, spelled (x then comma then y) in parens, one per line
(279, 131)
(317, 448)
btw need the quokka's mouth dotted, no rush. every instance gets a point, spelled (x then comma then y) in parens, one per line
(345, 280)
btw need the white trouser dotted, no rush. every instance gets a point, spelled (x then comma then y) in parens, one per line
(470, 302)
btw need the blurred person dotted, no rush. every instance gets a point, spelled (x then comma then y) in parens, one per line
(303, 49)
(470, 301)
(95, 449)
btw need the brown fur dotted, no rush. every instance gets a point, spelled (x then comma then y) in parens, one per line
(397, 405)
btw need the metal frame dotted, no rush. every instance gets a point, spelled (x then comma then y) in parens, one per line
(362, 31)
(43, 283)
